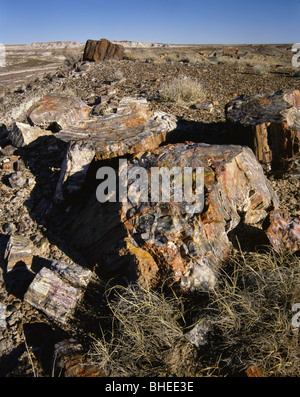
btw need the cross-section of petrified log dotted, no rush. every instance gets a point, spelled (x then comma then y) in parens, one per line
(132, 129)
(58, 110)
(268, 123)
(171, 241)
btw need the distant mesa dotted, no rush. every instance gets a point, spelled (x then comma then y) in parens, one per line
(135, 44)
(55, 45)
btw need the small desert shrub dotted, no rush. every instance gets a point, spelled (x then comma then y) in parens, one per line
(72, 57)
(182, 90)
(251, 316)
(241, 65)
(146, 338)
(261, 69)
(248, 316)
(225, 60)
(118, 75)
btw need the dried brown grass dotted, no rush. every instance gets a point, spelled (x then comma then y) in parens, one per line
(182, 90)
(251, 315)
(146, 338)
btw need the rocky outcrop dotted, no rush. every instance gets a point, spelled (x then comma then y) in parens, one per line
(268, 123)
(57, 111)
(161, 242)
(100, 50)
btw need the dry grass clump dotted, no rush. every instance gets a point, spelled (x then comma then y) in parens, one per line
(72, 56)
(248, 320)
(182, 90)
(261, 69)
(162, 55)
(146, 338)
(251, 316)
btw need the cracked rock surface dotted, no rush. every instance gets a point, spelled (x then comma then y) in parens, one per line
(167, 239)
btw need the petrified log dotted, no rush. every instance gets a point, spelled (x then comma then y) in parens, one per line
(57, 111)
(57, 291)
(268, 123)
(100, 50)
(161, 242)
(23, 134)
(132, 129)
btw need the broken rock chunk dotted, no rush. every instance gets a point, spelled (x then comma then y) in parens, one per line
(18, 249)
(77, 276)
(54, 297)
(198, 334)
(57, 111)
(268, 123)
(58, 290)
(284, 231)
(17, 180)
(74, 168)
(23, 134)
(170, 241)
(70, 361)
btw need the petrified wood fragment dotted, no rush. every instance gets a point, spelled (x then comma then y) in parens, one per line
(18, 249)
(70, 360)
(283, 231)
(23, 134)
(100, 50)
(268, 123)
(58, 290)
(57, 111)
(161, 242)
(74, 168)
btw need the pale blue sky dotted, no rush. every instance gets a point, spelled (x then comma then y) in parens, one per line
(187, 22)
